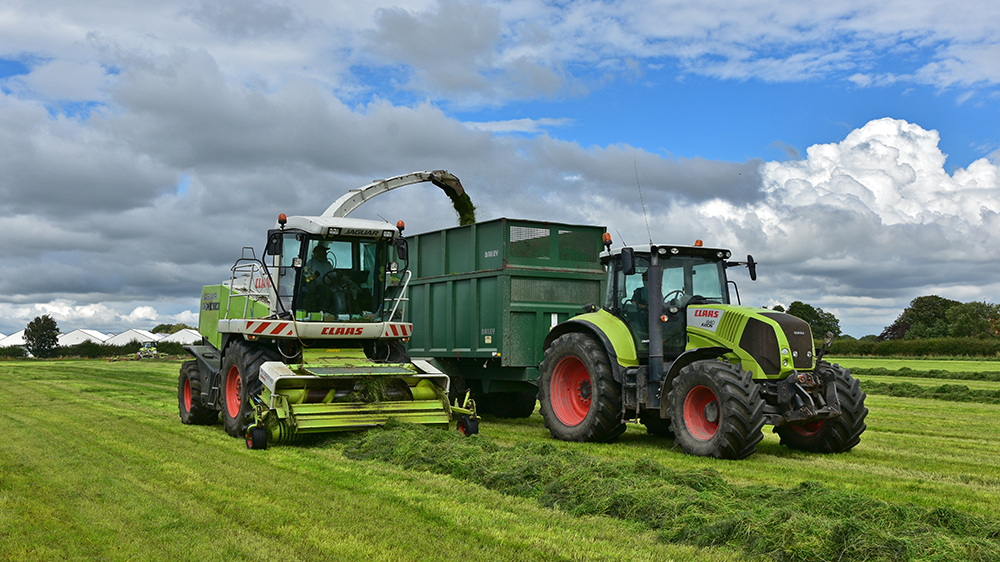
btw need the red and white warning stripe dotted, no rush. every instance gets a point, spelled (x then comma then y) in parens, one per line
(269, 328)
(398, 330)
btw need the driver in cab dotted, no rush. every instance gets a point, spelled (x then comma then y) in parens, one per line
(327, 289)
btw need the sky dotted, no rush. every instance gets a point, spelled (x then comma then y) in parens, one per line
(852, 147)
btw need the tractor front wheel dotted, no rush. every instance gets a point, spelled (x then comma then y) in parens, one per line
(832, 435)
(240, 372)
(189, 404)
(716, 411)
(580, 400)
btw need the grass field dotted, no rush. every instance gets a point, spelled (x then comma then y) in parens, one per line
(96, 465)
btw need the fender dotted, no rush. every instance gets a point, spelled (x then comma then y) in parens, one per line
(613, 334)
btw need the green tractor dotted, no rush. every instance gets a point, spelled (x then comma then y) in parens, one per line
(310, 339)
(669, 350)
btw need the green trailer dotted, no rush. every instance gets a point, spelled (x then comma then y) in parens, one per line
(484, 296)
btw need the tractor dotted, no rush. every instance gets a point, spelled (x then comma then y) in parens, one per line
(309, 339)
(669, 349)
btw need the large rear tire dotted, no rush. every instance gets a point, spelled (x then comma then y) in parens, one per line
(189, 404)
(240, 372)
(832, 435)
(580, 400)
(716, 410)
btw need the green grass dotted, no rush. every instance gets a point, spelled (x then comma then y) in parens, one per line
(917, 363)
(96, 465)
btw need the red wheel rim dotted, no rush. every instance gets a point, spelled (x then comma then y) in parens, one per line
(701, 412)
(234, 382)
(807, 429)
(570, 391)
(187, 395)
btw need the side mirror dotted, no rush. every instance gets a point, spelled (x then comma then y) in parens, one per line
(752, 267)
(273, 247)
(628, 261)
(402, 251)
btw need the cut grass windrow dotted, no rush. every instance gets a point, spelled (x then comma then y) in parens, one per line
(929, 374)
(807, 521)
(950, 392)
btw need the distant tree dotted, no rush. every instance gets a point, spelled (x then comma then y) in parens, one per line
(820, 321)
(778, 308)
(41, 336)
(869, 337)
(925, 318)
(170, 328)
(974, 320)
(894, 331)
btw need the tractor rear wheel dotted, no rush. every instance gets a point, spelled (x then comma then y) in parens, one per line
(832, 435)
(716, 410)
(512, 404)
(189, 404)
(240, 372)
(580, 400)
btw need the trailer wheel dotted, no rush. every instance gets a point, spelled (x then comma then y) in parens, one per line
(832, 435)
(467, 425)
(189, 404)
(716, 411)
(240, 370)
(256, 438)
(655, 425)
(512, 404)
(580, 400)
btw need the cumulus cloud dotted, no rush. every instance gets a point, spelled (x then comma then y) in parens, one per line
(864, 225)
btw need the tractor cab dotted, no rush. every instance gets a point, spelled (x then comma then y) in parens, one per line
(333, 269)
(690, 275)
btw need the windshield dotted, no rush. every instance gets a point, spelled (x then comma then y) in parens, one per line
(684, 279)
(344, 280)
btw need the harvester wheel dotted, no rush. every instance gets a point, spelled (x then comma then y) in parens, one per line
(467, 425)
(580, 400)
(240, 370)
(716, 410)
(192, 411)
(512, 404)
(256, 438)
(832, 435)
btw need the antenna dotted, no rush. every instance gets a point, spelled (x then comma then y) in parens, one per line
(620, 237)
(643, 203)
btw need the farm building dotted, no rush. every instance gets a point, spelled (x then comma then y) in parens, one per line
(82, 335)
(184, 337)
(17, 338)
(131, 335)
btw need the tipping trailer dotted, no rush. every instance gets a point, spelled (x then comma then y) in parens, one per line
(483, 297)
(310, 338)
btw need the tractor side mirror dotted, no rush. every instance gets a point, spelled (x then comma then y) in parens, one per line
(628, 261)
(752, 267)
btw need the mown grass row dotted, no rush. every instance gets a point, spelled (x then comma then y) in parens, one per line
(806, 522)
(929, 374)
(951, 392)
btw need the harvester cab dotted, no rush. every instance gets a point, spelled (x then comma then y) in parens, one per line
(309, 339)
(669, 349)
